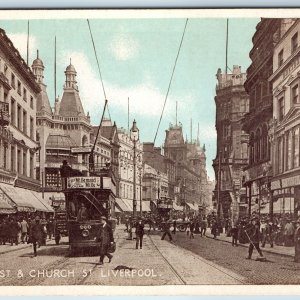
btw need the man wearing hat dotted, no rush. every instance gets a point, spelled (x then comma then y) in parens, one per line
(105, 237)
(253, 234)
(139, 232)
(297, 241)
(36, 234)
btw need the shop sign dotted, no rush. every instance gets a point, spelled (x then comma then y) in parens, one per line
(84, 183)
(291, 181)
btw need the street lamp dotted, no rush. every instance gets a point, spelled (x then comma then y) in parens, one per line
(134, 136)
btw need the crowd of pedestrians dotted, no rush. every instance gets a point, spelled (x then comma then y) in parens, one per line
(26, 229)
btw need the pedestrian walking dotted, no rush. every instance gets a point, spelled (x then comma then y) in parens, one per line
(204, 225)
(50, 228)
(188, 229)
(14, 232)
(106, 238)
(297, 242)
(288, 234)
(192, 228)
(24, 231)
(166, 229)
(214, 228)
(174, 226)
(139, 232)
(36, 234)
(5, 236)
(234, 233)
(253, 234)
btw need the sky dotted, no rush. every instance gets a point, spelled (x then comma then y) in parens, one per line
(136, 58)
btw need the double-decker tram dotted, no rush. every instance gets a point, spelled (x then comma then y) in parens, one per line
(87, 199)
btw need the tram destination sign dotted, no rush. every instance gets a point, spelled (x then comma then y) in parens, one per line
(84, 183)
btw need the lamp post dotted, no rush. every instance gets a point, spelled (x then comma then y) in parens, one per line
(134, 136)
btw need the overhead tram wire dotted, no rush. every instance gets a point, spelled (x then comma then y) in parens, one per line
(91, 157)
(95, 51)
(173, 71)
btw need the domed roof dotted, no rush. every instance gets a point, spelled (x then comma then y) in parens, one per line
(38, 62)
(60, 141)
(70, 68)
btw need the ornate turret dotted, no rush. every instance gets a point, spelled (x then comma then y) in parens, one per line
(43, 103)
(70, 105)
(38, 68)
(70, 73)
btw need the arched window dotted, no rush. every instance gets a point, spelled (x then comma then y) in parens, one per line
(84, 140)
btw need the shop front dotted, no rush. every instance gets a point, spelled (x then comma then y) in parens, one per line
(286, 196)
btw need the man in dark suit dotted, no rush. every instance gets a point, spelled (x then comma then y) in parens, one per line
(139, 231)
(36, 234)
(105, 237)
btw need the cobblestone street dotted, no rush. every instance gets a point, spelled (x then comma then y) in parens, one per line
(278, 269)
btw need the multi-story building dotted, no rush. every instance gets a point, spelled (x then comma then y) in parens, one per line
(257, 121)
(155, 187)
(19, 91)
(63, 134)
(189, 161)
(231, 105)
(285, 132)
(126, 170)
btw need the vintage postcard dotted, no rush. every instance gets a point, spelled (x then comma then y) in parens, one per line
(147, 152)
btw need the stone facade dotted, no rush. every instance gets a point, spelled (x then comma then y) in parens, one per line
(231, 105)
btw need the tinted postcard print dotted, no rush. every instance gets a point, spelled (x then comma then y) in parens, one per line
(149, 152)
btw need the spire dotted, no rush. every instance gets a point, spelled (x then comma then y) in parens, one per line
(38, 68)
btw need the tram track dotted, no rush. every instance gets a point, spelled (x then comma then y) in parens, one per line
(182, 279)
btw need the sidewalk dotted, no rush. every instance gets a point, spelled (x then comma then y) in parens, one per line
(281, 250)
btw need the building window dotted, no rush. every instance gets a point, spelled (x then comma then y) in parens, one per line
(280, 109)
(289, 151)
(13, 80)
(31, 165)
(25, 122)
(24, 94)
(296, 148)
(257, 145)
(280, 58)
(19, 168)
(265, 143)
(294, 42)
(13, 159)
(13, 111)
(19, 88)
(19, 124)
(31, 128)
(31, 102)
(25, 163)
(295, 94)
(5, 148)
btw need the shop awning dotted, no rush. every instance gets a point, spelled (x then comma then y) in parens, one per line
(123, 205)
(177, 207)
(44, 202)
(5, 208)
(191, 206)
(145, 206)
(17, 197)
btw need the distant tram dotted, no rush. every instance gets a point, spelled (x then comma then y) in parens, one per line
(87, 199)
